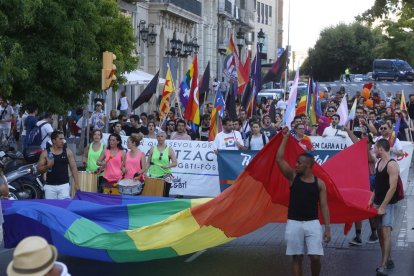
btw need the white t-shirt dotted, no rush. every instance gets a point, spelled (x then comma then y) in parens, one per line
(397, 146)
(124, 103)
(333, 132)
(46, 131)
(227, 141)
(7, 115)
(281, 104)
(256, 142)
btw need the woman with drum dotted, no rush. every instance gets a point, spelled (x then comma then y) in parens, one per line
(134, 167)
(112, 159)
(161, 159)
(92, 153)
(135, 163)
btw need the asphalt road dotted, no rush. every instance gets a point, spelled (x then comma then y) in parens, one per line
(263, 253)
(383, 86)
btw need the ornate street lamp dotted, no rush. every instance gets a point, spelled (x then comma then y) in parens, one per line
(152, 36)
(143, 31)
(240, 39)
(173, 42)
(261, 37)
(196, 47)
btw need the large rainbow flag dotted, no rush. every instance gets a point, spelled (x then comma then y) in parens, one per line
(129, 229)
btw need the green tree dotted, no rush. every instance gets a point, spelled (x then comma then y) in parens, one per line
(51, 50)
(398, 28)
(339, 47)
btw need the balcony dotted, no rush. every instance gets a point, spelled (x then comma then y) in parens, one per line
(225, 8)
(192, 6)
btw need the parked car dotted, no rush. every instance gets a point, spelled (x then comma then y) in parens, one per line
(392, 69)
(360, 78)
(271, 94)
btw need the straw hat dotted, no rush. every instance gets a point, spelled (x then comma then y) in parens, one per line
(33, 256)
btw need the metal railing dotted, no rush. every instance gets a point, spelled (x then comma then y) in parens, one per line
(192, 6)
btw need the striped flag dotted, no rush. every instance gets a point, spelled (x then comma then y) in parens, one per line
(301, 108)
(166, 94)
(290, 114)
(192, 109)
(351, 115)
(233, 68)
(216, 115)
(403, 105)
(246, 70)
(343, 111)
(311, 102)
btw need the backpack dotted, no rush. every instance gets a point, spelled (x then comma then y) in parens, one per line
(400, 188)
(34, 138)
(263, 138)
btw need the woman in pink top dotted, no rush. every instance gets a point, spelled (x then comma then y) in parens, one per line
(135, 163)
(112, 159)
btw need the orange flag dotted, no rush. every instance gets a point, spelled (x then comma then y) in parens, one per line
(166, 94)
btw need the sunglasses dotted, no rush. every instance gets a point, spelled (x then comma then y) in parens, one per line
(383, 128)
(300, 128)
(331, 110)
(160, 156)
(171, 125)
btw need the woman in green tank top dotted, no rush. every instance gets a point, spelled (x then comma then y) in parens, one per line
(161, 159)
(93, 151)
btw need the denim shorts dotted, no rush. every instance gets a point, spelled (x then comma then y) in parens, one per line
(387, 219)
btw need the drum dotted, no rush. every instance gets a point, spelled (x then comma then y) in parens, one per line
(130, 187)
(111, 188)
(88, 181)
(153, 187)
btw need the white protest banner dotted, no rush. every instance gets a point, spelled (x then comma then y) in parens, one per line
(405, 161)
(196, 173)
(326, 147)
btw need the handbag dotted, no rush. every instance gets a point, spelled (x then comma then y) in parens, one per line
(400, 189)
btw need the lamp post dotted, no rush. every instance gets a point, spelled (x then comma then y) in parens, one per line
(143, 32)
(240, 40)
(196, 47)
(152, 36)
(261, 38)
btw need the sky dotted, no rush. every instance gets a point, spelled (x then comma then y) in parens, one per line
(309, 18)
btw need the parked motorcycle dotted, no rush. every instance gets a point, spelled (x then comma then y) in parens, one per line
(20, 170)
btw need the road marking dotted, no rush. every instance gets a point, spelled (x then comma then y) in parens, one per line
(195, 256)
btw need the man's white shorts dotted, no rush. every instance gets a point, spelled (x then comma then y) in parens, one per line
(57, 191)
(299, 233)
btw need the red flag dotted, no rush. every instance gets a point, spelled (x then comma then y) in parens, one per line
(265, 191)
(246, 73)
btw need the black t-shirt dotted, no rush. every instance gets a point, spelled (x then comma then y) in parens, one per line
(142, 129)
(356, 128)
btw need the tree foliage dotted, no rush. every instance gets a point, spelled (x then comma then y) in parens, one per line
(51, 50)
(339, 47)
(396, 21)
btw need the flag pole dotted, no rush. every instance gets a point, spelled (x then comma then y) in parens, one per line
(179, 104)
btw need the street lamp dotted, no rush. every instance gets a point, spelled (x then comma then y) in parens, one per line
(152, 36)
(240, 39)
(143, 31)
(261, 37)
(173, 42)
(196, 47)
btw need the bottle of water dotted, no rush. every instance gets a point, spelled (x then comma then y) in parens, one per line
(50, 157)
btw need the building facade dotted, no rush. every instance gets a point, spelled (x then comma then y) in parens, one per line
(172, 31)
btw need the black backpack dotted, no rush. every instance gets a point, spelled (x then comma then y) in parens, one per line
(263, 138)
(34, 138)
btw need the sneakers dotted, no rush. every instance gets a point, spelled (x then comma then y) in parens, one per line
(381, 271)
(373, 238)
(356, 241)
(390, 264)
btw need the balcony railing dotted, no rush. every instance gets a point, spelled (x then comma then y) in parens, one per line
(192, 6)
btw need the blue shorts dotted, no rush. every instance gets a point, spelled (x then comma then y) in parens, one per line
(387, 219)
